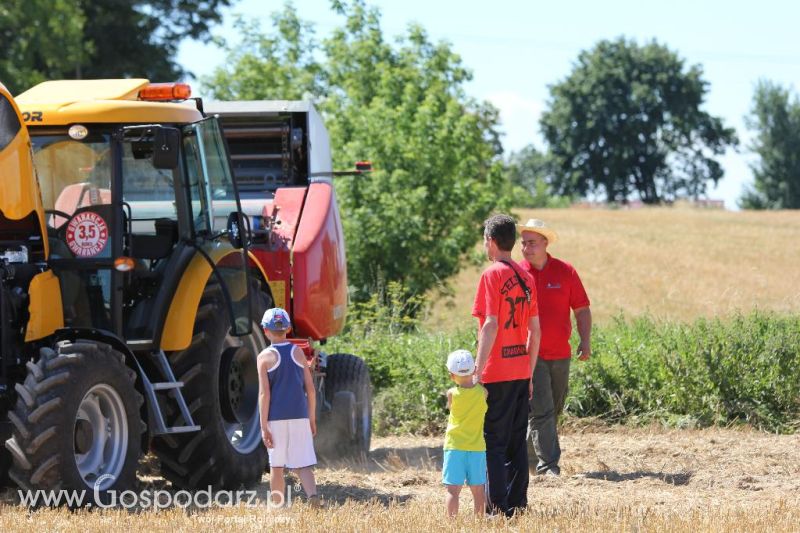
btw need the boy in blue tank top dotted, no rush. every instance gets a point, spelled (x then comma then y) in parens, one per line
(287, 405)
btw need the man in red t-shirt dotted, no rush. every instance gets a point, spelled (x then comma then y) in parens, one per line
(508, 341)
(558, 290)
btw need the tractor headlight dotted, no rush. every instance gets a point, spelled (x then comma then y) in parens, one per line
(78, 132)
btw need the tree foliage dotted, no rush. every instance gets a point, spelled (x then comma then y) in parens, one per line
(400, 104)
(65, 39)
(277, 66)
(775, 119)
(627, 120)
(529, 174)
(42, 39)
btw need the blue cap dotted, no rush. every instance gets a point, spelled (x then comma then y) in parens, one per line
(276, 319)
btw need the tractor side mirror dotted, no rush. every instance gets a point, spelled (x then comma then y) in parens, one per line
(237, 232)
(166, 144)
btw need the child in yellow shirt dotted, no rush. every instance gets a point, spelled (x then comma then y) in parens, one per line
(464, 447)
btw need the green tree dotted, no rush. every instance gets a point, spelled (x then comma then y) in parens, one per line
(42, 40)
(627, 120)
(402, 104)
(52, 39)
(775, 119)
(529, 174)
(279, 66)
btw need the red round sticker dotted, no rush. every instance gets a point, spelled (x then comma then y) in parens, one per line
(87, 234)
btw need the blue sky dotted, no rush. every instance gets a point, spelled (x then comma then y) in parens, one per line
(515, 49)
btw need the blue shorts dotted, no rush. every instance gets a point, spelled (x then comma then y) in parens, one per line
(461, 466)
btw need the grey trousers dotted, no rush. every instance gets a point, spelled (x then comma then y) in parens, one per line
(550, 387)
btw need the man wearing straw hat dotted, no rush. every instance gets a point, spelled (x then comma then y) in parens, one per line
(558, 289)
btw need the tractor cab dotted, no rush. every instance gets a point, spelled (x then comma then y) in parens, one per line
(126, 206)
(126, 286)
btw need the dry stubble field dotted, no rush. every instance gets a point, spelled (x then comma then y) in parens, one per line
(676, 264)
(614, 479)
(673, 263)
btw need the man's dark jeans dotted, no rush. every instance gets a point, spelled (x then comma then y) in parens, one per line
(550, 387)
(505, 429)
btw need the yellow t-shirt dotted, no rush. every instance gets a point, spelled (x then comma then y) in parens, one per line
(465, 423)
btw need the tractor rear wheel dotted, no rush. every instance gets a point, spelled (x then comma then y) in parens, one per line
(5, 464)
(77, 422)
(221, 390)
(349, 391)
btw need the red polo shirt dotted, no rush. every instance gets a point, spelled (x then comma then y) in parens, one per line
(499, 294)
(558, 290)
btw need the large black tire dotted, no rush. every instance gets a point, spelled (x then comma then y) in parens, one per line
(67, 396)
(349, 391)
(5, 464)
(221, 398)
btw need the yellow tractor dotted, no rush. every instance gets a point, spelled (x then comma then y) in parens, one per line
(129, 299)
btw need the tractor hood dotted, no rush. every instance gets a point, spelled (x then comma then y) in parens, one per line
(21, 209)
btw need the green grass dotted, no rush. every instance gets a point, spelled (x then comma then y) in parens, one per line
(743, 369)
(711, 372)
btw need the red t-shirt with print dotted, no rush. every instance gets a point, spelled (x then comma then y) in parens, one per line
(558, 289)
(499, 294)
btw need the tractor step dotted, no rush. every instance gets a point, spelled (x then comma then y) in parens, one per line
(180, 429)
(173, 387)
(167, 385)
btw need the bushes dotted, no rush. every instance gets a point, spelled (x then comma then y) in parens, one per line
(742, 369)
(409, 377)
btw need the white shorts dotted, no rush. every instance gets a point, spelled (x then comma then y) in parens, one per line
(293, 443)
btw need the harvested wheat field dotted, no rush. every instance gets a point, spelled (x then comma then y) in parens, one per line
(673, 263)
(613, 479)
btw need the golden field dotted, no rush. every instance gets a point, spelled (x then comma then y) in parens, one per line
(613, 479)
(675, 263)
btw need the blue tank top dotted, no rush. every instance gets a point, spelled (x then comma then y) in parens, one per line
(287, 398)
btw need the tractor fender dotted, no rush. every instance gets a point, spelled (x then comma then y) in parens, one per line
(106, 337)
(179, 325)
(100, 335)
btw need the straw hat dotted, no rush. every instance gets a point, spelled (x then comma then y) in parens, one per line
(538, 226)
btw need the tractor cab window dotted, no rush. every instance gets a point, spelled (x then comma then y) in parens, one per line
(219, 172)
(223, 191)
(146, 190)
(198, 196)
(150, 208)
(74, 177)
(214, 196)
(75, 181)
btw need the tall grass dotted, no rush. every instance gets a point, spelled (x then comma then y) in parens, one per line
(711, 372)
(406, 363)
(742, 369)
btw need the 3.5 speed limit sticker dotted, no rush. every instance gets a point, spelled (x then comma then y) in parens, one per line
(87, 234)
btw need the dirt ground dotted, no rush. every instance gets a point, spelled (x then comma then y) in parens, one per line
(653, 467)
(613, 478)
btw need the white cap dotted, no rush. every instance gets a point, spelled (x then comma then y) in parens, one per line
(461, 363)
